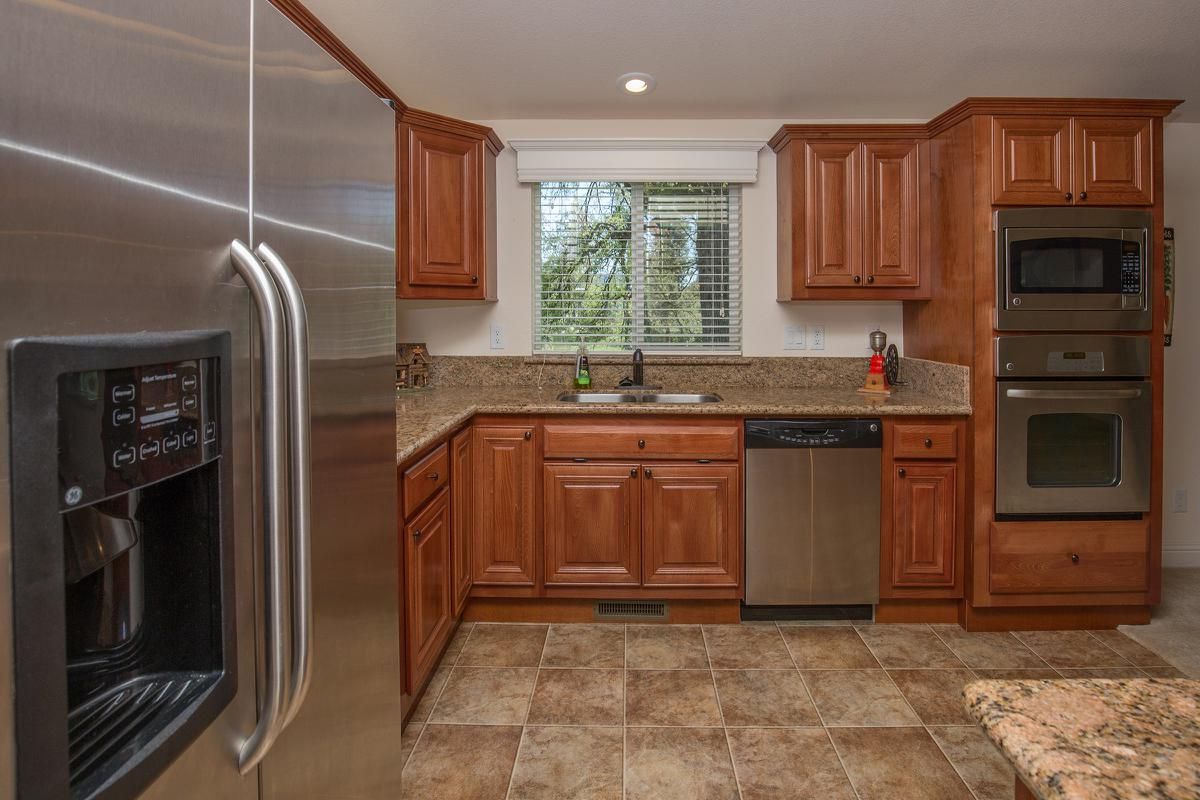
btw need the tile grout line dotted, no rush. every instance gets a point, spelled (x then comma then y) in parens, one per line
(512, 772)
(425, 724)
(737, 783)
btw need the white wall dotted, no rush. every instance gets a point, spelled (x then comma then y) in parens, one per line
(452, 329)
(1181, 157)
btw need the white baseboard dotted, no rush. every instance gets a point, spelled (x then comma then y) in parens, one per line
(1181, 558)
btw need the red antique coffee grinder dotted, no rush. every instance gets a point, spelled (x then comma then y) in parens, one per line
(876, 383)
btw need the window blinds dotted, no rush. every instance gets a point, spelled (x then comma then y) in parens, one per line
(624, 265)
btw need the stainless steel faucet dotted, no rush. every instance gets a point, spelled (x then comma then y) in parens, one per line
(638, 363)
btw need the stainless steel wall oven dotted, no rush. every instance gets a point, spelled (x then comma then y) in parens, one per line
(1073, 416)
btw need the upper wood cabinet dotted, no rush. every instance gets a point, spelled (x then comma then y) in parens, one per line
(852, 213)
(1079, 160)
(446, 208)
(692, 525)
(462, 487)
(427, 605)
(504, 516)
(592, 524)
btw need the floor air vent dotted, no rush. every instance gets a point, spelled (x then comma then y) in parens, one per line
(631, 609)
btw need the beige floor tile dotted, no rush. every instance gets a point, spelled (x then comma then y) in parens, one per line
(585, 646)
(746, 647)
(426, 703)
(858, 697)
(787, 763)
(988, 650)
(456, 643)
(935, 694)
(578, 697)
(1164, 672)
(908, 646)
(485, 696)
(461, 762)
(575, 763)
(671, 697)
(678, 764)
(408, 740)
(1135, 653)
(1109, 673)
(1040, 674)
(893, 763)
(764, 698)
(665, 647)
(1070, 649)
(496, 645)
(828, 648)
(981, 766)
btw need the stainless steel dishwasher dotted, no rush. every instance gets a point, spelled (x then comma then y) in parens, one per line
(812, 513)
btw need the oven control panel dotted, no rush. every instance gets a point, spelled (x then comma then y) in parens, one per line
(122, 428)
(1131, 268)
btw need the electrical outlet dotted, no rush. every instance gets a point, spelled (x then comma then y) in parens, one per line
(1179, 502)
(497, 341)
(793, 337)
(818, 337)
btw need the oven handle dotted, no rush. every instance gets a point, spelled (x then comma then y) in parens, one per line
(1073, 394)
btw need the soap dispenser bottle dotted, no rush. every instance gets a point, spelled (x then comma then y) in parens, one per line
(583, 372)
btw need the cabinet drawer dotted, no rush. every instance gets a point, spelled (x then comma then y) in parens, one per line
(646, 440)
(925, 441)
(1058, 557)
(424, 478)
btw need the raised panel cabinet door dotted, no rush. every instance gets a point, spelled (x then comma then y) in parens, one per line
(461, 496)
(428, 621)
(1031, 161)
(892, 232)
(923, 515)
(833, 215)
(691, 525)
(504, 514)
(1113, 157)
(592, 526)
(444, 200)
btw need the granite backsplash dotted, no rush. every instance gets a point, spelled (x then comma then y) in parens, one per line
(698, 373)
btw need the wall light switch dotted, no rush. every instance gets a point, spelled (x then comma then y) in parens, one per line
(817, 342)
(793, 337)
(497, 339)
(1179, 501)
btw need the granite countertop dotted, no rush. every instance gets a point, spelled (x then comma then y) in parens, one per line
(424, 416)
(1095, 739)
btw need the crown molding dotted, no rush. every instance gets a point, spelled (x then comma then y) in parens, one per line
(663, 159)
(428, 119)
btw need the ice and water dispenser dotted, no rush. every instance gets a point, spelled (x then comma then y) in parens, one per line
(122, 556)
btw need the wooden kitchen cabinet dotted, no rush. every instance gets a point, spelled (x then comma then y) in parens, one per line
(1082, 160)
(504, 516)
(428, 617)
(852, 212)
(446, 208)
(924, 513)
(692, 525)
(462, 488)
(592, 528)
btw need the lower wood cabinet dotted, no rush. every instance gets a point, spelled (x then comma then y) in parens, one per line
(923, 524)
(462, 487)
(504, 516)
(591, 525)
(692, 528)
(428, 619)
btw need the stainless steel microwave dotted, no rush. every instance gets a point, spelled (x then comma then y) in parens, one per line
(1072, 269)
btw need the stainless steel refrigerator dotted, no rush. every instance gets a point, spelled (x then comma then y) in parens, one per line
(202, 190)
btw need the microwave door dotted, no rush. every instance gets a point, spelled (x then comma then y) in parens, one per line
(1063, 269)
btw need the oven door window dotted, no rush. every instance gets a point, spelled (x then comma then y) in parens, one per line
(1065, 265)
(1074, 450)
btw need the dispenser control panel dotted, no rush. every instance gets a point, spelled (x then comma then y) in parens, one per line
(131, 426)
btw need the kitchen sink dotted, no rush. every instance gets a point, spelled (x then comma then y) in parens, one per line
(649, 397)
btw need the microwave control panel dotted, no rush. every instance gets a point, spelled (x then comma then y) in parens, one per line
(1131, 268)
(127, 427)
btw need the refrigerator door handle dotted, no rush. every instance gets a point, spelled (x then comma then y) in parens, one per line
(274, 434)
(301, 475)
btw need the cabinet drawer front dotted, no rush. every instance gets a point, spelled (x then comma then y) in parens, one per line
(925, 441)
(1058, 557)
(691, 441)
(423, 479)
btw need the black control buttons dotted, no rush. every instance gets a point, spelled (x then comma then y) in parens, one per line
(210, 432)
(123, 393)
(188, 383)
(123, 416)
(170, 443)
(123, 457)
(189, 438)
(149, 449)
(189, 402)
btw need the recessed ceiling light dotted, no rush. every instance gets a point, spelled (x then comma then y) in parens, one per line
(636, 82)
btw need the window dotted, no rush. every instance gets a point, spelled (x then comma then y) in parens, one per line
(625, 265)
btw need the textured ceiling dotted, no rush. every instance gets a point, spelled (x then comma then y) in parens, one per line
(801, 59)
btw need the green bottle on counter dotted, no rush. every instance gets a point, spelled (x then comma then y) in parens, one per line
(583, 373)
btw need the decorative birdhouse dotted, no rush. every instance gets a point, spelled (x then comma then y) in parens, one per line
(412, 366)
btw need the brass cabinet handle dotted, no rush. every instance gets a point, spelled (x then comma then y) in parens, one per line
(642, 444)
(633, 472)
(528, 435)
(901, 472)
(929, 442)
(1069, 196)
(1074, 558)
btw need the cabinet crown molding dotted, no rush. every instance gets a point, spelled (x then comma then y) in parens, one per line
(733, 160)
(428, 119)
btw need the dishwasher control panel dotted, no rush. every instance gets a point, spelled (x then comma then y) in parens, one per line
(854, 433)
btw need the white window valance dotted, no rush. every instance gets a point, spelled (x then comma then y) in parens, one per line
(731, 160)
